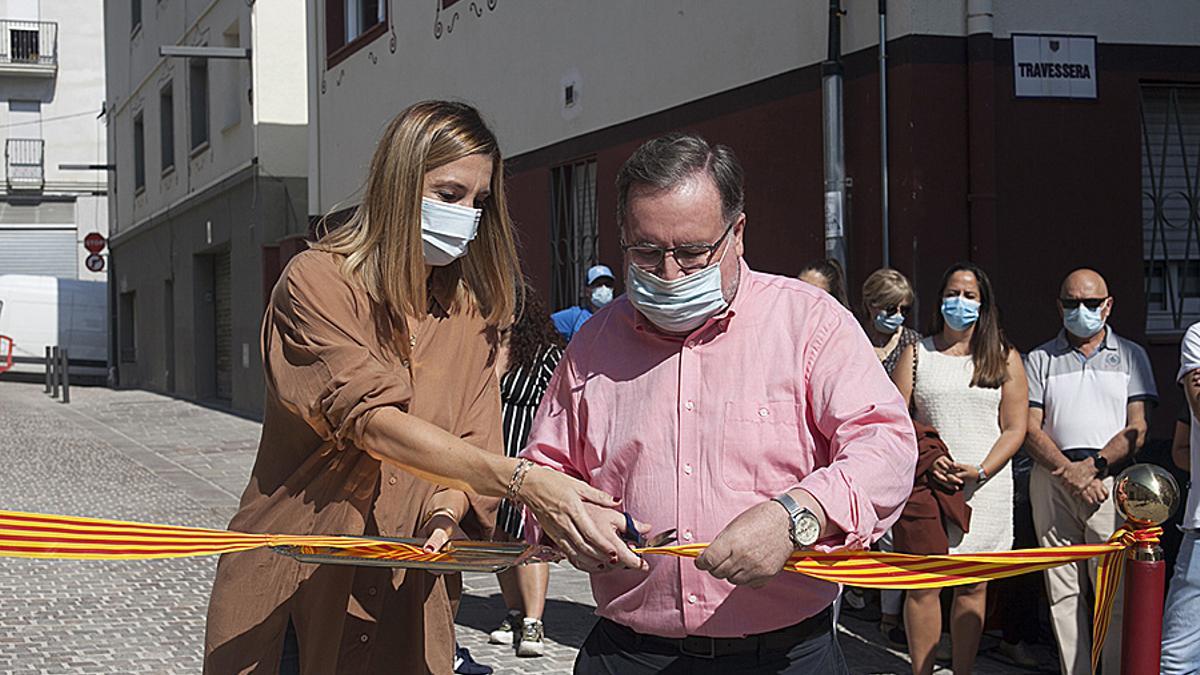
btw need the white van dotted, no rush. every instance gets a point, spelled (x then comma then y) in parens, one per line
(40, 311)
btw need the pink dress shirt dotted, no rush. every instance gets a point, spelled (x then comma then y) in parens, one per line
(782, 390)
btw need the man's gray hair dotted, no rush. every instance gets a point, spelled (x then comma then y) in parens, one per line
(665, 162)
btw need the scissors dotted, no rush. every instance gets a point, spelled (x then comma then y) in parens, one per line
(633, 536)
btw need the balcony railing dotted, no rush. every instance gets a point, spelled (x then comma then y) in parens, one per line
(28, 47)
(24, 162)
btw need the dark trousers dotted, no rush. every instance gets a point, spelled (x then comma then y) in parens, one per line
(613, 649)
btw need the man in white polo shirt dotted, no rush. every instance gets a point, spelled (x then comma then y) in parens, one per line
(1089, 393)
(1181, 620)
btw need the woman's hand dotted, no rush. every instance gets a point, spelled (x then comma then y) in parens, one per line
(561, 504)
(438, 530)
(965, 472)
(944, 474)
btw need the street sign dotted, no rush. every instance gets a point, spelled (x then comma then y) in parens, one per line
(94, 262)
(1054, 66)
(94, 242)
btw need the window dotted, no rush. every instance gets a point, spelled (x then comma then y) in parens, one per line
(136, 16)
(1170, 189)
(198, 101)
(350, 24)
(23, 45)
(139, 153)
(166, 125)
(128, 327)
(573, 230)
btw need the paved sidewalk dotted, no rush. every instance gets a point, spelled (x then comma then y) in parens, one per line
(139, 456)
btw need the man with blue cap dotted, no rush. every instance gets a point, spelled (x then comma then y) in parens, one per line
(599, 293)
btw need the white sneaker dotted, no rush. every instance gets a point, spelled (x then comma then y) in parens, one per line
(532, 639)
(505, 633)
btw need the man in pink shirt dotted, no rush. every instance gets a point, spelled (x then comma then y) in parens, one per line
(743, 409)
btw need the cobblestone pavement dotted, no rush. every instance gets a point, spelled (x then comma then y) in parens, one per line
(140, 456)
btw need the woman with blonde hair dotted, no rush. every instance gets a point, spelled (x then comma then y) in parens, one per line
(382, 417)
(887, 300)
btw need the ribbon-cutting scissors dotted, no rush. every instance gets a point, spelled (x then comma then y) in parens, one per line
(633, 536)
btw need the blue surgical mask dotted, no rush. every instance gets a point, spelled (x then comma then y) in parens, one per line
(1083, 322)
(446, 230)
(959, 312)
(601, 296)
(888, 323)
(679, 306)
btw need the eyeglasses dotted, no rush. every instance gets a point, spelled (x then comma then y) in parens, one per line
(1090, 303)
(892, 309)
(689, 257)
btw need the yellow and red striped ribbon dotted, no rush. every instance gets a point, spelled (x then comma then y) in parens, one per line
(35, 535)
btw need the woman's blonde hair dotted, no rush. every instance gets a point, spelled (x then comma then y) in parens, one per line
(381, 241)
(884, 288)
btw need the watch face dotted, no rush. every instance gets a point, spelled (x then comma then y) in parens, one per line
(807, 529)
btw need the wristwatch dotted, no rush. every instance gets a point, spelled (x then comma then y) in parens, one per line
(1101, 465)
(805, 528)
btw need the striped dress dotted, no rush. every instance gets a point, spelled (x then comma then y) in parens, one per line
(521, 390)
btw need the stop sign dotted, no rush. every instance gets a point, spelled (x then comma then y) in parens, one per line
(94, 242)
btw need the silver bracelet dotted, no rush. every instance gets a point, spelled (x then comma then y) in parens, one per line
(983, 475)
(517, 480)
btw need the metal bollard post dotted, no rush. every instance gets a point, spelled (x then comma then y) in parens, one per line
(54, 374)
(48, 367)
(66, 376)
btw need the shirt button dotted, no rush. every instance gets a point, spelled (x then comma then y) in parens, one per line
(687, 468)
(689, 405)
(763, 412)
(371, 591)
(687, 536)
(392, 480)
(363, 638)
(691, 600)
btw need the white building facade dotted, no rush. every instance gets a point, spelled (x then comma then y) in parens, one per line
(209, 187)
(51, 101)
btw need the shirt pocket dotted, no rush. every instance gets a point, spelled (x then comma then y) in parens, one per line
(761, 447)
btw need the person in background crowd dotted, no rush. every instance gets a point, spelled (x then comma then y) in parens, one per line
(599, 292)
(529, 352)
(1181, 618)
(382, 416)
(1089, 393)
(887, 299)
(736, 407)
(1181, 445)
(968, 382)
(827, 275)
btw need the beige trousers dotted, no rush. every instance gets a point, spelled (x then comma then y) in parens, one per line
(1061, 519)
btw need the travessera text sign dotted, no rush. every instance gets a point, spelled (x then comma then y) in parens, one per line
(1054, 66)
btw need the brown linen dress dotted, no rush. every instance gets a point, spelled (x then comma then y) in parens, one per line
(327, 372)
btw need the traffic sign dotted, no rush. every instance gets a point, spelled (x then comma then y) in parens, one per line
(95, 242)
(95, 262)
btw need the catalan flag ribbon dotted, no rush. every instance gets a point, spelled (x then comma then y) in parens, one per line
(35, 535)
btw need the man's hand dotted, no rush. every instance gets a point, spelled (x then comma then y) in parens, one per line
(1076, 476)
(752, 549)
(1095, 493)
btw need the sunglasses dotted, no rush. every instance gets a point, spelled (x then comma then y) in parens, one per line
(892, 309)
(1090, 303)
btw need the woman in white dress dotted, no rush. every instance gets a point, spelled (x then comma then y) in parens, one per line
(966, 381)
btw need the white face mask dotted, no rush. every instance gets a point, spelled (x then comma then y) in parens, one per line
(446, 229)
(601, 296)
(679, 306)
